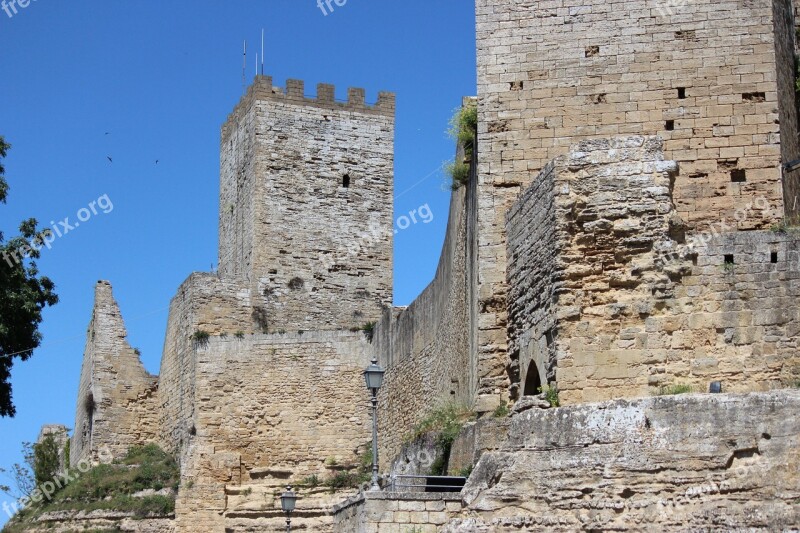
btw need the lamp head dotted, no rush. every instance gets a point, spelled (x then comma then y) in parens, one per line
(373, 375)
(288, 500)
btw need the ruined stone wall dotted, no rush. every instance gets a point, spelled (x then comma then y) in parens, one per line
(203, 303)
(117, 399)
(426, 348)
(306, 205)
(534, 276)
(703, 75)
(269, 410)
(701, 462)
(611, 298)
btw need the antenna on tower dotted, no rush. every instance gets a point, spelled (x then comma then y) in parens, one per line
(256, 64)
(244, 69)
(262, 51)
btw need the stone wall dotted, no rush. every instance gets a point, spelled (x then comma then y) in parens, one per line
(708, 77)
(117, 399)
(610, 298)
(270, 410)
(306, 205)
(427, 348)
(700, 462)
(380, 512)
(203, 303)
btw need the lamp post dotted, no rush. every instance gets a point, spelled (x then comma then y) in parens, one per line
(288, 501)
(374, 378)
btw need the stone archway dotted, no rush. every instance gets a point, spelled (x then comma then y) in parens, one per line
(533, 381)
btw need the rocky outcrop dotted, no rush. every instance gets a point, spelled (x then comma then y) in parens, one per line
(717, 462)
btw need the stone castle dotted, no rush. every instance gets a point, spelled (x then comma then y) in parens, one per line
(627, 226)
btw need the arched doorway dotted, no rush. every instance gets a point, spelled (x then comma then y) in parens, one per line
(532, 381)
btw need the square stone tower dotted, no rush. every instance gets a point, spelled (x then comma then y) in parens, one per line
(306, 205)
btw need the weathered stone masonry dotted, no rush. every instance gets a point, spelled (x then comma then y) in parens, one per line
(306, 205)
(711, 78)
(117, 399)
(610, 299)
(427, 347)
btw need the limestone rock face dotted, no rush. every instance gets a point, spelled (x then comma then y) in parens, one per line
(701, 461)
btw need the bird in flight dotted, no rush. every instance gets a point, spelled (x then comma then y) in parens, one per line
(156, 161)
(108, 133)
(109, 159)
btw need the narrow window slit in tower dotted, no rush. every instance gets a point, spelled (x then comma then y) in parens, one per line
(773, 257)
(738, 175)
(346, 181)
(681, 93)
(728, 259)
(670, 125)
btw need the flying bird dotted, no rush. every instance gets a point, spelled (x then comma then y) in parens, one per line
(156, 161)
(109, 159)
(108, 133)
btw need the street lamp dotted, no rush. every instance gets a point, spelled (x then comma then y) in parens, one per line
(288, 501)
(374, 378)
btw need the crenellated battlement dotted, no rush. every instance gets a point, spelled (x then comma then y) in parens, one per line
(294, 93)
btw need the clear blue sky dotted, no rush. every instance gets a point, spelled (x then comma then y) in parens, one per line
(161, 77)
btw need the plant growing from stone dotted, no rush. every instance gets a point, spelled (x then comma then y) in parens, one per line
(678, 388)
(200, 338)
(446, 423)
(502, 410)
(551, 395)
(459, 174)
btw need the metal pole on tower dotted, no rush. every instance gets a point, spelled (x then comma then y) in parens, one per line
(262, 51)
(244, 68)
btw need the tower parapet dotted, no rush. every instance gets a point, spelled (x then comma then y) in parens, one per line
(294, 92)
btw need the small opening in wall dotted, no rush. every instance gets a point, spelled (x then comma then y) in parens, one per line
(516, 85)
(592, 51)
(532, 381)
(754, 97)
(669, 125)
(728, 259)
(346, 181)
(681, 93)
(738, 175)
(773, 257)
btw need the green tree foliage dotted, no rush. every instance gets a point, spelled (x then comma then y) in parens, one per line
(46, 460)
(23, 296)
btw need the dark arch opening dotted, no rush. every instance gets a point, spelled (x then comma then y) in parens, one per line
(532, 381)
(346, 181)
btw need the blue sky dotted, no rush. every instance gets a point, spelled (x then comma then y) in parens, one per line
(145, 81)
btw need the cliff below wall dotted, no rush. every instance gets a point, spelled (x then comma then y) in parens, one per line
(705, 462)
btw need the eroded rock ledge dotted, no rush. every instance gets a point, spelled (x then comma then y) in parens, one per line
(700, 461)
